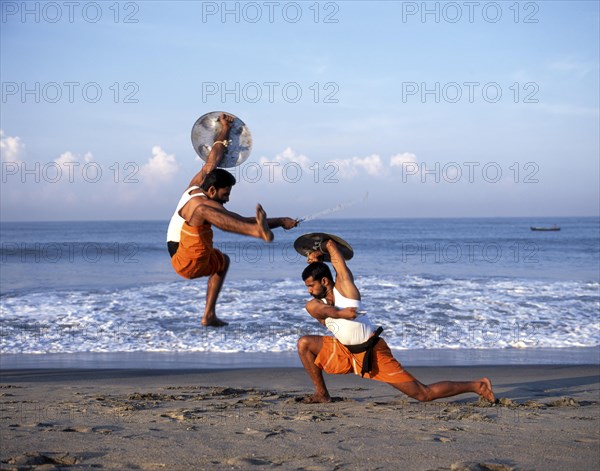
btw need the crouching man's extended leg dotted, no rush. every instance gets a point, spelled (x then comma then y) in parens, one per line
(423, 392)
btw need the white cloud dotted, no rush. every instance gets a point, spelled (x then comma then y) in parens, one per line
(278, 167)
(66, 157)
(160, 167)
(401, 159)
(344, 168)
(349, 168)
(69, 157)
(11, 148)
(407, 161)
(289, 155)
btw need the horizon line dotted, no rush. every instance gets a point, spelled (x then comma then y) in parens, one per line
(321, 219)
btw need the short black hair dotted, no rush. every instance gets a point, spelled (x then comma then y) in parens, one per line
(218, 178)
(318, 271)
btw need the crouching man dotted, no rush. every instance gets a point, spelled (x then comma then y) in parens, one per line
(356, 346)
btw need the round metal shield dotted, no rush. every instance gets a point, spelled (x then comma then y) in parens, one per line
(204, 134)
(307, 243)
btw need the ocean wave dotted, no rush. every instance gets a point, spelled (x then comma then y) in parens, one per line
(269, 316)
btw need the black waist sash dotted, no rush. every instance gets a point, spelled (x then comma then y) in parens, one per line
(366, 347)
(172, 246)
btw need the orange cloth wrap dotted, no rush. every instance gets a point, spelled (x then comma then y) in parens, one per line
(195, 256)
(335, 359)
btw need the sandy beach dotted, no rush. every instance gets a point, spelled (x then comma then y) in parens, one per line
(249, 419)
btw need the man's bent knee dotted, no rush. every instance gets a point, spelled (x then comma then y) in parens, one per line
(422, 396)
(417, 391)
(303, 344)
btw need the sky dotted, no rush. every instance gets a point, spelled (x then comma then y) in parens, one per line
(387, 109)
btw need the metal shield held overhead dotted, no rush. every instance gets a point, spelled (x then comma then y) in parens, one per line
(307, 243)
(205, 131)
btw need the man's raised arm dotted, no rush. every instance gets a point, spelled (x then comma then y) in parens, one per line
(217, 150)
(344, 279)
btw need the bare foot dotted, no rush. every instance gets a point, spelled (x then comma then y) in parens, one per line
(316, 399)
(486, 390)
(214, 322)
(263, 227)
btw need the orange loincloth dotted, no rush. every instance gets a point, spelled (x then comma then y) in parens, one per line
(195, 256)
(334, 358)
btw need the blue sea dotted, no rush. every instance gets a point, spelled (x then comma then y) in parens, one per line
(487, 285)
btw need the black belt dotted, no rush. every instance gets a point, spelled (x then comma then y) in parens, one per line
(172, 246)
(366, 347)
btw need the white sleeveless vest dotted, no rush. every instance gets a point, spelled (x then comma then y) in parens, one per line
(349, 332)
(174, 230)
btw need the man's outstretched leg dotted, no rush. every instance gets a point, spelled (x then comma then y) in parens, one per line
(213, 289)
(424, 393)
(309, 347)
(224, 221)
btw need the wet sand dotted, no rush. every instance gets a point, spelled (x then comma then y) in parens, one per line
(249, 419)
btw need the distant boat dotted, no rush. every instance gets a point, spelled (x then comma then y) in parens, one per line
(553, 228)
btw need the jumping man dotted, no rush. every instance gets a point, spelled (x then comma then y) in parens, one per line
(190, 236)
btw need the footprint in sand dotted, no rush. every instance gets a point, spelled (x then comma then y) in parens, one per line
(44, 425)
(564, 402)
(39, 459)
(482, 467)
(533, 405)
(252, 401)
(460, 414)
(106, 429)
(77, 429)
(244, 462)
(434, 438)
